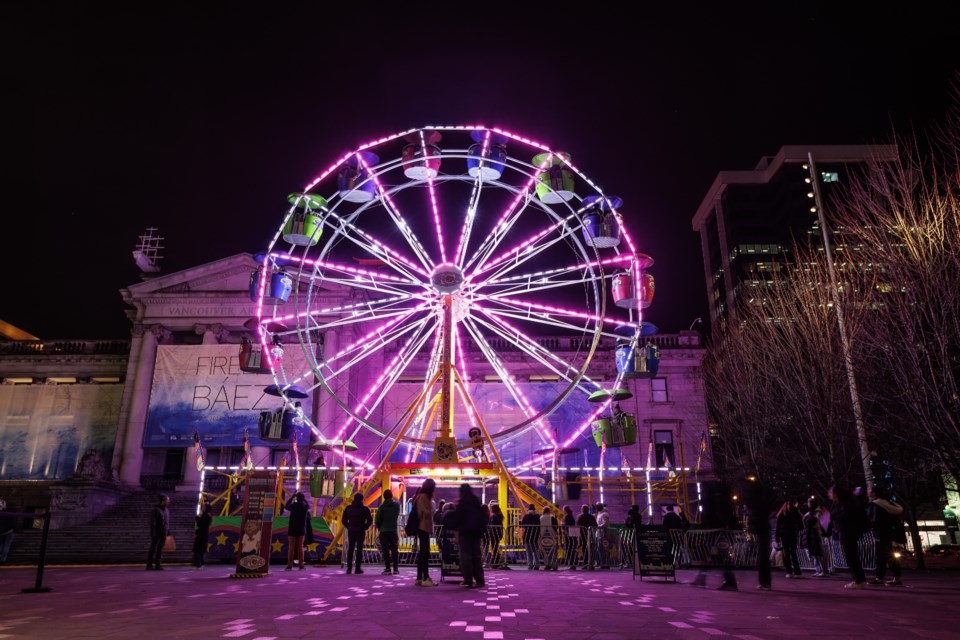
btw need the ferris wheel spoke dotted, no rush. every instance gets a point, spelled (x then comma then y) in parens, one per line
(363, 239)
(431, 189)
(508, 218)
(531, 347)
(473, 203)
(531, 247)
(339, 309)
(515, 392)
(363, 351)
(547, 274)
(391, 381)
(375, 334)
(420, 422)
(400, 360)
(398, 219)
(362, 317)
(549, 313)
(494, 291)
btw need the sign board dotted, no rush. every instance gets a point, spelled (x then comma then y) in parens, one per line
(653, 553)
(449, 553)
(253, 552)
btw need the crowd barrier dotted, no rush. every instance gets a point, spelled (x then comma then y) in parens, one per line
(608, 547)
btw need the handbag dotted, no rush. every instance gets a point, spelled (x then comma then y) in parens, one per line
(776, 557)
(412, 527)
(169, 544)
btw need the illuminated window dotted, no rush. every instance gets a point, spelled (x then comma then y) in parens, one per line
(830, 176)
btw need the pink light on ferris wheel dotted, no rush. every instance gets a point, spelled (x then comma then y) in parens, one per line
(552, 309)
(393, 207)
(376, 332)
(373, 275)
(547, 272)
(513, 204)
(363, 147)
(483, 268)
(433, 203)
(471, 211)
(373, 387)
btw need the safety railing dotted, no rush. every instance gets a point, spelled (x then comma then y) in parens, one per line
(611, 547)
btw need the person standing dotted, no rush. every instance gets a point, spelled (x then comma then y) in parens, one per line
(603, 527)
(356, 520)
(530, 525)
(296, 529)
(587, 525)
(888, 530)
(811, 537)
(159, 530)
(758, 524)
(386, 524)
(549, 540)
(201, 534)
(849, 521)
(789, 526)
(471, 525)
(422, 511)
(569, 540)
(495, 535)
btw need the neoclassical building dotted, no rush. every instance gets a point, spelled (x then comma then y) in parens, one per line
(126, 413)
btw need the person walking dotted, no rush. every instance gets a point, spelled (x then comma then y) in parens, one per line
(159, 530)
(386, 524)
(356, 520)
(849, 522)
(530, 525)
(296, 529)
(789, 526)
(201, 534)
(471, 524)
(888, 531)
(422, 513)
(811, 537)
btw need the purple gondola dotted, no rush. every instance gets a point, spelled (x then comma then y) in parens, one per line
(353, 180)
(489, 165)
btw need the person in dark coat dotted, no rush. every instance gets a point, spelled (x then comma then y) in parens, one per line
(471, 525)
(758, 524)
(159, 530)
(569, 541)
(849, 521)
(296, 529)
(386, 524)
(885, 515)
(494, 536)
(201, 534)
(356, 520)
(811, 537)
(789, 526)
(530, 525)
(587, 524)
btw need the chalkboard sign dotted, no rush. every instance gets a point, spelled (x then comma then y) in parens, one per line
(653, 553)
(449, 553)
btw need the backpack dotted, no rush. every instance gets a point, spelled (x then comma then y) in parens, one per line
(412, 528)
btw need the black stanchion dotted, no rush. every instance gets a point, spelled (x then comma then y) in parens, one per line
(38, 585)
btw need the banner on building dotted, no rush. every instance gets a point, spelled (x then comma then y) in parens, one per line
(201, 389)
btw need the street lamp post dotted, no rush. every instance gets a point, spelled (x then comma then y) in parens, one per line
(844, 340)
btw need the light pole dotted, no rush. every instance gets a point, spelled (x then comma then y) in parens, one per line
(844, 340)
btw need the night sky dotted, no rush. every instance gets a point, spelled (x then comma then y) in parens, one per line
(201, 123)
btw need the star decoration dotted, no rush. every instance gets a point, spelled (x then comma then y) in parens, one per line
(221, 539)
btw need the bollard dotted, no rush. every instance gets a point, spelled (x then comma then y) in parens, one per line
(38, 585)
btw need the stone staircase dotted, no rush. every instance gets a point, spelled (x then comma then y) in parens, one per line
(119, 535)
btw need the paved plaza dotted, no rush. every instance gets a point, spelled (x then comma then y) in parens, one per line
(181, 602)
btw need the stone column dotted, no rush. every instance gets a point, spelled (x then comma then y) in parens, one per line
(128, 448)
(212, 333)
(327, 409)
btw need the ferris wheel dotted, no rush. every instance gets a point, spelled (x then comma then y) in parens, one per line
(468, 254)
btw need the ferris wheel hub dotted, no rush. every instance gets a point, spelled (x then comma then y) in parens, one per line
(447, 278)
